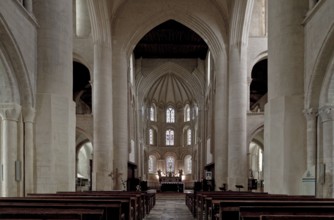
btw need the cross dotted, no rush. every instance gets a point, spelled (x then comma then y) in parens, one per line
(114, 175)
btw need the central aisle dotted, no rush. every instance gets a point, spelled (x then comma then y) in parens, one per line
(170, 206)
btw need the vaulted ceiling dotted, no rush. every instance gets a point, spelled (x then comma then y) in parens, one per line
(171, 40)
(170, 89)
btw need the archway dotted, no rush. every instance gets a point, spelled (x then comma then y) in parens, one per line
(259, 86)
(84, 163)
(255, 162)
(82, 90)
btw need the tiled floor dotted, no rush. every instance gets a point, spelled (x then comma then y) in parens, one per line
(170, 206)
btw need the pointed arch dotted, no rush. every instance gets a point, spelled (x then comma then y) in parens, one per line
(214, 34)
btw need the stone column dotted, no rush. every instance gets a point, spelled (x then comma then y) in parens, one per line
(285, 127)
(29, 150)
(220, 120)
(326, 138)
(55, 109)
(120, 114)
(102, 110)
(311, 120)
(11, 165)
(237, 118)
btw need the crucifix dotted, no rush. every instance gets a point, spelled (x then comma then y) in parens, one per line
(114, 176)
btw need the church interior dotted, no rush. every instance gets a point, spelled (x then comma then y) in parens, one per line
(233, 95)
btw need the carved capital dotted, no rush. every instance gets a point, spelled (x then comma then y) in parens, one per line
(10, 111)
(28, 114)
(310, 114)
(326, 113)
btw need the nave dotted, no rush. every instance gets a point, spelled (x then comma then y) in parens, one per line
(170, 206)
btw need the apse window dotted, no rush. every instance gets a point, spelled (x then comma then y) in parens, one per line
(150, 136)
(187, 113)
(152, 113)
(189, 136)
(169, 137)
(170, 115)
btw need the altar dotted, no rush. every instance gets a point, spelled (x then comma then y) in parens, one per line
(172, 186)
(171, 183)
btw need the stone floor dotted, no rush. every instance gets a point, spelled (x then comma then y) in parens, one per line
(170, 206)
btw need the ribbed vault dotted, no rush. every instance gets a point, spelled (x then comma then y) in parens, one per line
(170, 89)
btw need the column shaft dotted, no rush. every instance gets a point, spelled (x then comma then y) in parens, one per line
(29, 150)
(55, 109)
(11, 163)
(237, 121)
(285, 127)
(221, 122)
(120, 114)
(102, 110)
(311, 137)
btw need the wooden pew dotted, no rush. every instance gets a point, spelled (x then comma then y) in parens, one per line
(296, 217)
(112, 209)
(211, 206)
(253, 209)
(143, 204)
(50, 213)
(256, 213)
(146, 201)
(200, 200)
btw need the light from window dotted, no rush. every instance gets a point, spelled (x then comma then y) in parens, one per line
(131, 70)
(187, 113)
(189, 136)
(150, 137)
(208, 68)
(151, 164)
(170, 115)
(188, 164)
(152, 113)
(260, 160)
(170, 164)
(169, 137)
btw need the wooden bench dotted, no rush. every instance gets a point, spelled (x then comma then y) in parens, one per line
(112, 209)
(50, 213)
(253, 209)
(256, 213)
(141, 202)
(145, 201)
(212, 204)
(296, 217)
(200, 205)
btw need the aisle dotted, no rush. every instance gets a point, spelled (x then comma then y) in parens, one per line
(170, 206)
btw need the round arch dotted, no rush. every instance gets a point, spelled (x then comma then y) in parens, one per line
(12, 57)
(317, 91)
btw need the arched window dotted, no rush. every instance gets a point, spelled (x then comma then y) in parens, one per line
(256, 160)
(170, 137)
(151, 164)
(132, 69)
(151, 136)
(208, 69)
(188, 164)
(187, 113)
(170, 161)
(152, 113)
(189, 136)
(170, 115)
